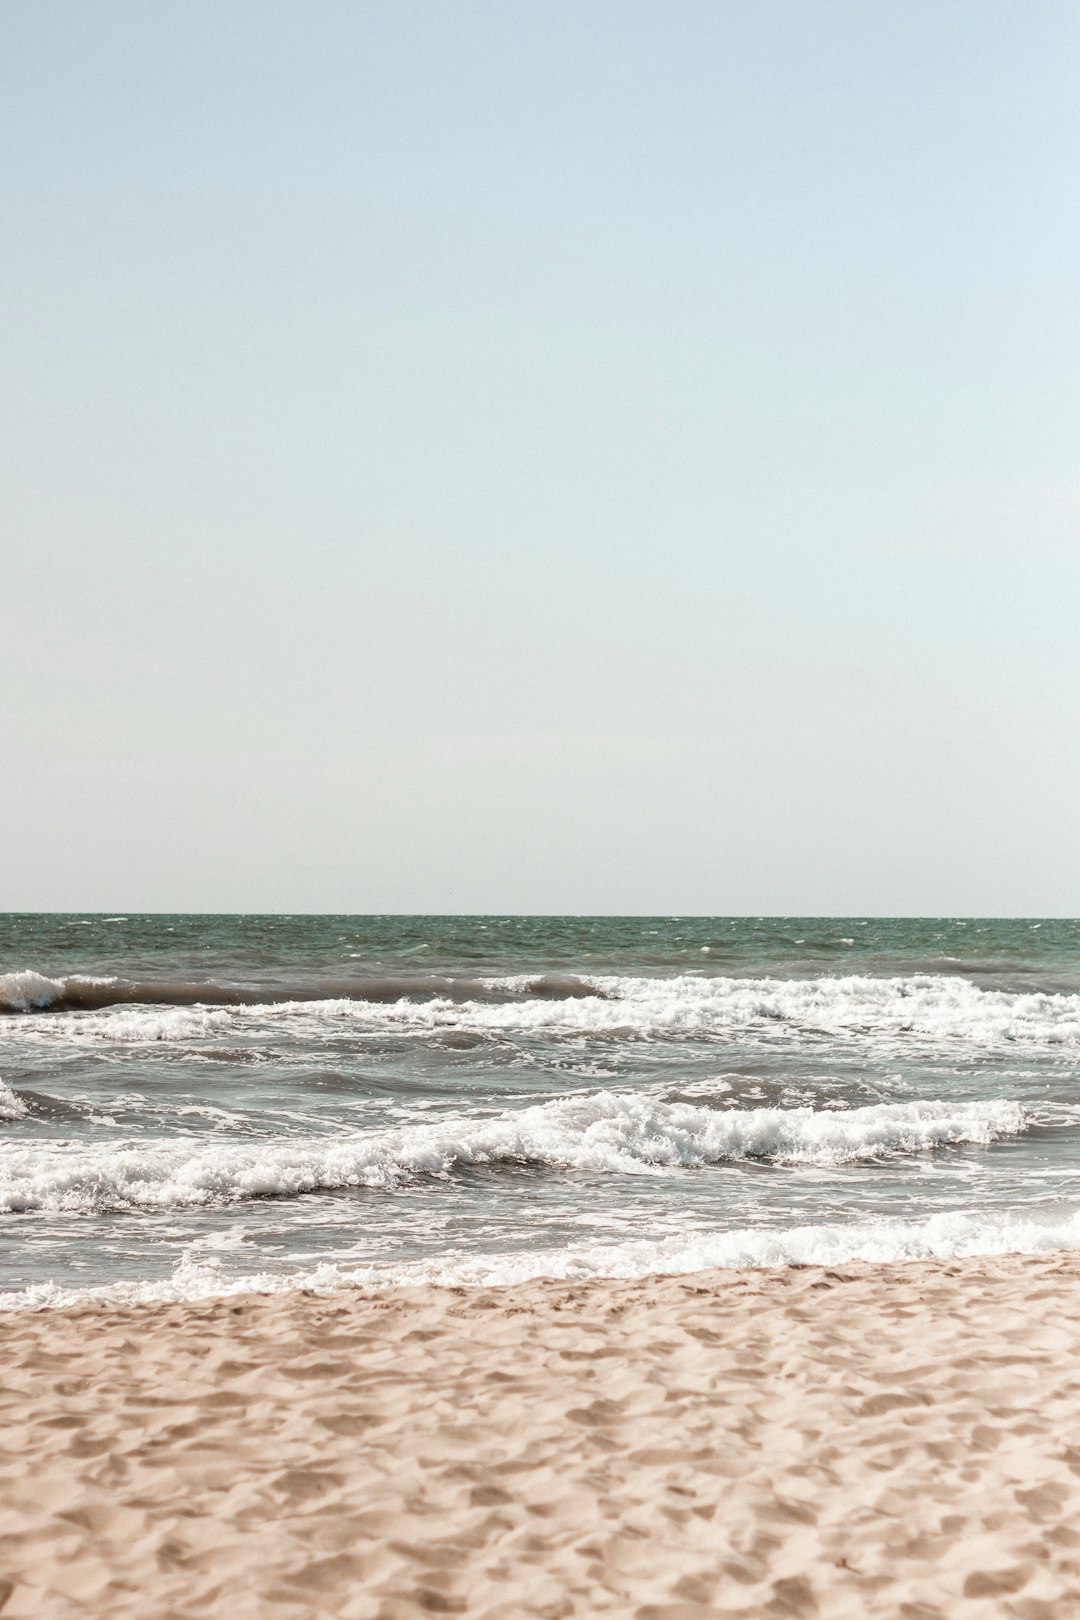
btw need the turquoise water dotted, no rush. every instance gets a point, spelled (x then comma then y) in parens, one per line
(198, 1103)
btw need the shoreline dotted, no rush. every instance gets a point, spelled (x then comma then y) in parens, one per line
(896, 1439)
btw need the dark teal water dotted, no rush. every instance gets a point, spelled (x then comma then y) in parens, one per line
(196, 1103)
(1012, 952)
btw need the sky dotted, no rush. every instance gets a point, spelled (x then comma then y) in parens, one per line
(483, 456)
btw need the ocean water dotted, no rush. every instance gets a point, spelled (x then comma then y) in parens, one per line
(190, 1105)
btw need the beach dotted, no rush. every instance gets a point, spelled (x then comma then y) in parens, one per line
(899, 1440)
(658, 1268)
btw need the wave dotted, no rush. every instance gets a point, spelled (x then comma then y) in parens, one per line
(878, 1241)
(604, 1132)
(27, 991)
(12, 1105)
(921, 1008)
(199, 1275)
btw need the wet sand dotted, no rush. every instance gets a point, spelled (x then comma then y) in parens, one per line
(900, 1441)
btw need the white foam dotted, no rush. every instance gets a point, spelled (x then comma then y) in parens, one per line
(937, 1007)
(128, 1025)
(199, 1275)
(924, 1008)
(11, 1105)
(23, 992)
(603, 1132)
(880, 1241)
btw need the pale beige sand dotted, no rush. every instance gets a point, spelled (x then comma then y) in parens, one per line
(899, 1441)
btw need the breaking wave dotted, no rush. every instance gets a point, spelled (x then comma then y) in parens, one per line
(920, 1007)
(11, 1105)
(26, 991)
(604, 1132)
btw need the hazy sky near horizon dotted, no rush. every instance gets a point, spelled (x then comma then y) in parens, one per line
(595, 456)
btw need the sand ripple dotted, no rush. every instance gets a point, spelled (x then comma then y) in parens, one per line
(897, 1441)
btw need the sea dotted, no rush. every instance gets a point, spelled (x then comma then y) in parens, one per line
(195, 1105)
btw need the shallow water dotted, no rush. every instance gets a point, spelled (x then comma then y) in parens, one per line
(192, 1103)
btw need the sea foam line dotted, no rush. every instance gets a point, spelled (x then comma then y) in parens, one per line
(880, 1242)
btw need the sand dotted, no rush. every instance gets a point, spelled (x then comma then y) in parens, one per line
(900, 1441)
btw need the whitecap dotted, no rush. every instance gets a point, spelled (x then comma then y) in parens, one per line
(604, 1132)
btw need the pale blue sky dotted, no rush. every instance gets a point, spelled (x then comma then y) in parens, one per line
(544, 457)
